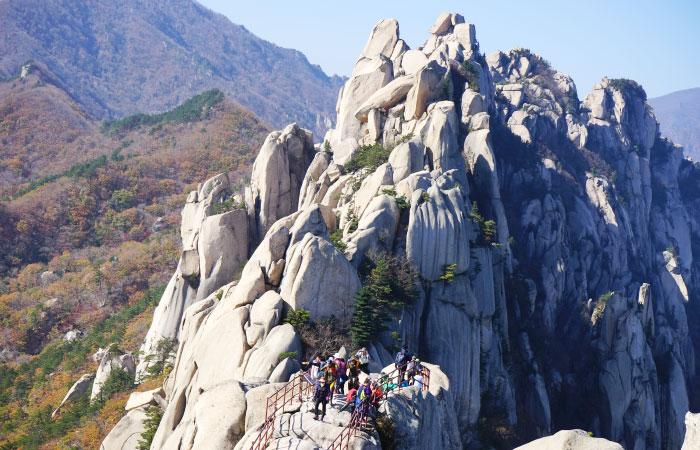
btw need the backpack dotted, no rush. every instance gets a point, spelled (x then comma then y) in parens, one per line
(399, 358)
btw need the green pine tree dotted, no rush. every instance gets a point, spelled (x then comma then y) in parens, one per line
(388, 287)
(363, 325)
(153, 416)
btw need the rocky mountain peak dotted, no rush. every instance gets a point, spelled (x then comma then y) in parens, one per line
(547, 239)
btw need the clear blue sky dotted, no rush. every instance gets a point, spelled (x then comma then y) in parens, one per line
(656, 43)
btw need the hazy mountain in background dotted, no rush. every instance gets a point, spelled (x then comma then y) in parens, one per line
(678, 114)
(118, 58)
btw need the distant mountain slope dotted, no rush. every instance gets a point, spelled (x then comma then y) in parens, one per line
(679, 116)
(118, 58)
(42, 129)
(51, 151)
(89, 233)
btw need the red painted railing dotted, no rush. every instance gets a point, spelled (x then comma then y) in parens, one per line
(359, 417)
(295, 389)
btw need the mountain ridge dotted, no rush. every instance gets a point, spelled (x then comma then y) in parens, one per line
(142, 56)
(679, 117)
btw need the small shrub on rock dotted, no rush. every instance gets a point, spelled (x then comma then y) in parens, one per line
(337, 240)
(369, 157)
(284, 355)
(448, 272)
(227, 205)
(297, 318)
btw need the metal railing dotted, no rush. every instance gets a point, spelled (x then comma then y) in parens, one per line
(359, 416)
(295, 389)
(357, 420)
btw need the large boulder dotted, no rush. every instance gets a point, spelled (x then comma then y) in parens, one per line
(265, 314)
(413, 410)
(438, 229)
(571, 440)
(113, 359)
(262, 360)
(413, 61)
(375, 230)
(278, 173)
(368, 77)
(126, 434)
(76, 391)
(369, 188)
(223, 248)
(256, 399)
(386, 97)
(692, 432)
(439, 135)
(407, 158)
(319, 279)
(199, 205)
(382, 39)
(285, 370)
(425, 89)
(144, 398)
(219, 417)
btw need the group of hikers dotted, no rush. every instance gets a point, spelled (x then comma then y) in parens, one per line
(332, 375)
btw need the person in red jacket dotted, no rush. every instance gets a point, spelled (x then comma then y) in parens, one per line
(350, 399)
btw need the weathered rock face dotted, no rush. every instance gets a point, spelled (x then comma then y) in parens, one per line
(319, 279)
(571, 440)
(214, 248)
(413, 411)
(553, 242)
(113, 359)
(79, 388)
(278, 173)
(692, 432)
(127, 432)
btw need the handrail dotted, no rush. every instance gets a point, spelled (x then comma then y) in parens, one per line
(342, 441)
(286, 394)
(359, 416)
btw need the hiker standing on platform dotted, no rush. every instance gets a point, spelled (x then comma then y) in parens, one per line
(341, 375)
(350, 399)
(400, 360)
(365, 396)
(377, 395)
(353, 371)
(315, 370)
(331, 372)
(321, 395)
(411, 370)
(362, 356)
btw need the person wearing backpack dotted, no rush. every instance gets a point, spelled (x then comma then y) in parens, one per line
(353, 371)
(341, 375)
(365, 396)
